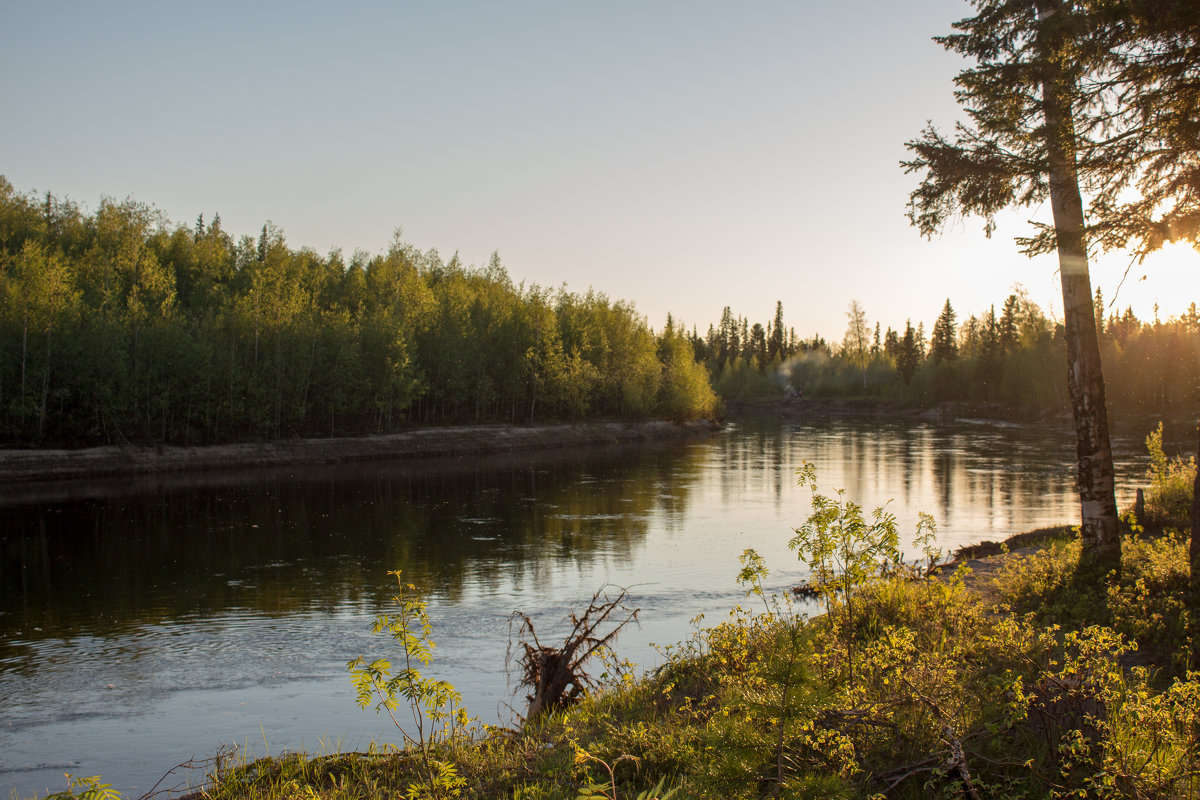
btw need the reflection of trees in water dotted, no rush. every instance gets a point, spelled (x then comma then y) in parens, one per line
(950, 470)
(317, 540)
(284, 541)
(757, 451)
(945, 465)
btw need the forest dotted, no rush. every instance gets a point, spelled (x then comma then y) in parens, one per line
(118, 326)
(1013, 357)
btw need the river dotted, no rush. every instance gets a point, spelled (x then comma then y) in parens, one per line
(144, 622)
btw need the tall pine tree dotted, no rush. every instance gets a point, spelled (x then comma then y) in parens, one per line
(1035, 109)
(943, 346)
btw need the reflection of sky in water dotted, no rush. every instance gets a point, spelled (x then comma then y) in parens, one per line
(173, 620)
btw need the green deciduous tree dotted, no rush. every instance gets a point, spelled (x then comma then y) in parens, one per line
(38, 293)
(856, 345)
(116, 327)
(685, 391)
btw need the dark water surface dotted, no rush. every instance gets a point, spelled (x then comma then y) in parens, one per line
(146, 621)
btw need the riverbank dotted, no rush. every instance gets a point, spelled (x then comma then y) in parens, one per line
(26, 466)
(924, 688)
(806, 408)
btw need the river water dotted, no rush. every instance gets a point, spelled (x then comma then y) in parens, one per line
(145, 622)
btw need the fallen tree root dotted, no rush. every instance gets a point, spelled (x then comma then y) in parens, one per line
(557, 675)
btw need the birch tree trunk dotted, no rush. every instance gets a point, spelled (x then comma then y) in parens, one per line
(1101, 543)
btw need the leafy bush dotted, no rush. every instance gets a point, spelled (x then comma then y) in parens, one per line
(1147, 604)
(1172, 480)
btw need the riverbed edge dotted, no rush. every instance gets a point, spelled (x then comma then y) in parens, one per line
(26, 466)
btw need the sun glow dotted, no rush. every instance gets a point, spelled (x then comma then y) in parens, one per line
(1163, 285)
(1177, 256)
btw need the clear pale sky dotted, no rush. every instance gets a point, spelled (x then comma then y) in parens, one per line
(682, 155)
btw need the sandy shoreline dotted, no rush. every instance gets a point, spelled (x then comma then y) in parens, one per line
(25, 466)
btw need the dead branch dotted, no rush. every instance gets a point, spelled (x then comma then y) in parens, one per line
(191, 764)
(842, 719)
(557, 675)
(899, 775)
(957, 762)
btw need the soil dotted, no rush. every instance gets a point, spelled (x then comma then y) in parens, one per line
(987, 558)
(26, 466)
(981, 578)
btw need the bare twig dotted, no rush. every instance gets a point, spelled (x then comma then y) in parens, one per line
(191, 764)
(957, 762)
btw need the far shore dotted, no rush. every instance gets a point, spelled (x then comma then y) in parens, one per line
(805, 408)
(39, 465)
(809, 409)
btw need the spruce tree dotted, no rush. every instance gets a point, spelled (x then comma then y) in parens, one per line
(891, 343)
(776, 345)
(908, 356)
(1038, 115)
(1009, 325)
(944, 344)
(1146, 139)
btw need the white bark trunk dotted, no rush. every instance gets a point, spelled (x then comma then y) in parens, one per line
(1101, 543)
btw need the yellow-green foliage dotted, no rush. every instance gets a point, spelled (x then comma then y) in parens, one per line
(1147, 604)
(1172, 481)
(435, 706)
(757, 705)
(186, 335)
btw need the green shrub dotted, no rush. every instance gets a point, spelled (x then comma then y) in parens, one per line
(1172, 480)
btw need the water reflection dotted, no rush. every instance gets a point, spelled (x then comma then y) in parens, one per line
(288, 542)
(143, 621)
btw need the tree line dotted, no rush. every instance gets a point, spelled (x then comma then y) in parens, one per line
(1011, 354)
(120, 326)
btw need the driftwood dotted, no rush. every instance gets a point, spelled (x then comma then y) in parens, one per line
(557, 676)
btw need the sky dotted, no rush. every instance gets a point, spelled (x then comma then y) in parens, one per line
(685, 156)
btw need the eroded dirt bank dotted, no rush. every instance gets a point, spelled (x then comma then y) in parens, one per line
(21, 466)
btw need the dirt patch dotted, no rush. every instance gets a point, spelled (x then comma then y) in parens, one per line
(983, 571)
(986, 559)
(21, 466)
